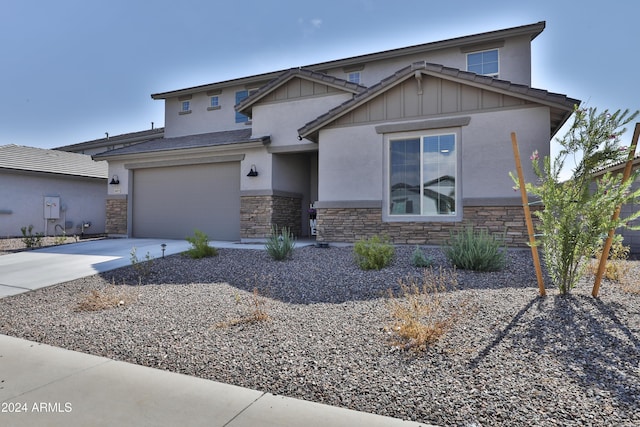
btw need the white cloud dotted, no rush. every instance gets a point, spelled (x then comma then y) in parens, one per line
(309, 26)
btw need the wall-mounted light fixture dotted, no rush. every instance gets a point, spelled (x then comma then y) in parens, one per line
(253, 171)
(114, 180)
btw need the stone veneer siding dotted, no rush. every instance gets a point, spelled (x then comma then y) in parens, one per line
(353, 224)
(116, 222)
(259, 213)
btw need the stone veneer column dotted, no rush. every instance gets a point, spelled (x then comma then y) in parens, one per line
(352, 224)
(116, 221)
(255, 216)
(259, 213)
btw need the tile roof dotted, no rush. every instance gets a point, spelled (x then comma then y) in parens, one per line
(563, 104)
(301, 73)
(114, 139)
(184, 142)
(17, 157)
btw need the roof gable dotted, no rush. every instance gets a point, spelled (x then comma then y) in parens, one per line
(31, 159)
(298, 83)
(424, 89)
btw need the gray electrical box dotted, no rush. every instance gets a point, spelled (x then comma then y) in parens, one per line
(51, 207)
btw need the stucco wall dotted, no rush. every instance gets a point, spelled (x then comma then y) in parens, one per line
(514, 56)
(352, 166)
(515, 66)
(22, 203)
(281, 120)
(201, 119)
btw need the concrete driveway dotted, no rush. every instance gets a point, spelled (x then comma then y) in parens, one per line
(29, 270)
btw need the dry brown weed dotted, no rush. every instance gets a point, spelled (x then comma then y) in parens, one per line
(256, 307)
(103, 299)
(419, 314)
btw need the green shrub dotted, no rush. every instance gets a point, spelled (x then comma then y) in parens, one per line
(419, 260)
(280, 246)
(579, 210)
(475, 250)
(200, 246)
(29, 239)
(373, 253)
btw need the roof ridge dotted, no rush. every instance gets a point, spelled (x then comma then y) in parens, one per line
(534, 29)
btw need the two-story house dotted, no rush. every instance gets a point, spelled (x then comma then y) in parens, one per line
(409, 142)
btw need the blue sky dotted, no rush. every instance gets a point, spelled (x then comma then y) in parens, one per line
(72, 70)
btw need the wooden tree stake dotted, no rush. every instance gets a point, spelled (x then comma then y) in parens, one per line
(607, 244)
(527, 215)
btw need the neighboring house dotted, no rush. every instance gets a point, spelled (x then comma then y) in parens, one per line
(112, 142)
(411, 143)
(631, 238)
(55, 191)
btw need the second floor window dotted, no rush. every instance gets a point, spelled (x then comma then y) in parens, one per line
(186, 106)
(215, 102)
(485, 62)
(240, 96)
(354, 77)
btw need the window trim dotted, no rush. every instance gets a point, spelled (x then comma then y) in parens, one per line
(249, 91)
(212, 107)
(182, 105)
(353, 74)
(386, 198)
(496, 74)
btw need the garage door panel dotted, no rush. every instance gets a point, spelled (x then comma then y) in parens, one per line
(171, 202)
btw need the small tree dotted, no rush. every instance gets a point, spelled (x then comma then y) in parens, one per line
(578, 212)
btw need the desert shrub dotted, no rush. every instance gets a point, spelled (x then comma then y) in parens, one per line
(418, 259)
(280, 246)
(200, 246)
(110, 297)
(578, 211)
(29, 239)
(142, 267)
(477, 250)
(616, 267)
(419, 315)
(373, 253)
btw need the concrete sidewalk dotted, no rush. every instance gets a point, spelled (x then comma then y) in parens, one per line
(42, 385)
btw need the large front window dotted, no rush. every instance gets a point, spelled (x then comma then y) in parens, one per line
(423, 173)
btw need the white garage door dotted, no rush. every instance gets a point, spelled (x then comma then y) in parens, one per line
(170, 202)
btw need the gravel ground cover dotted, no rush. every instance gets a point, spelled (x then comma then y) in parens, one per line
(13, 245)
(512, 358)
